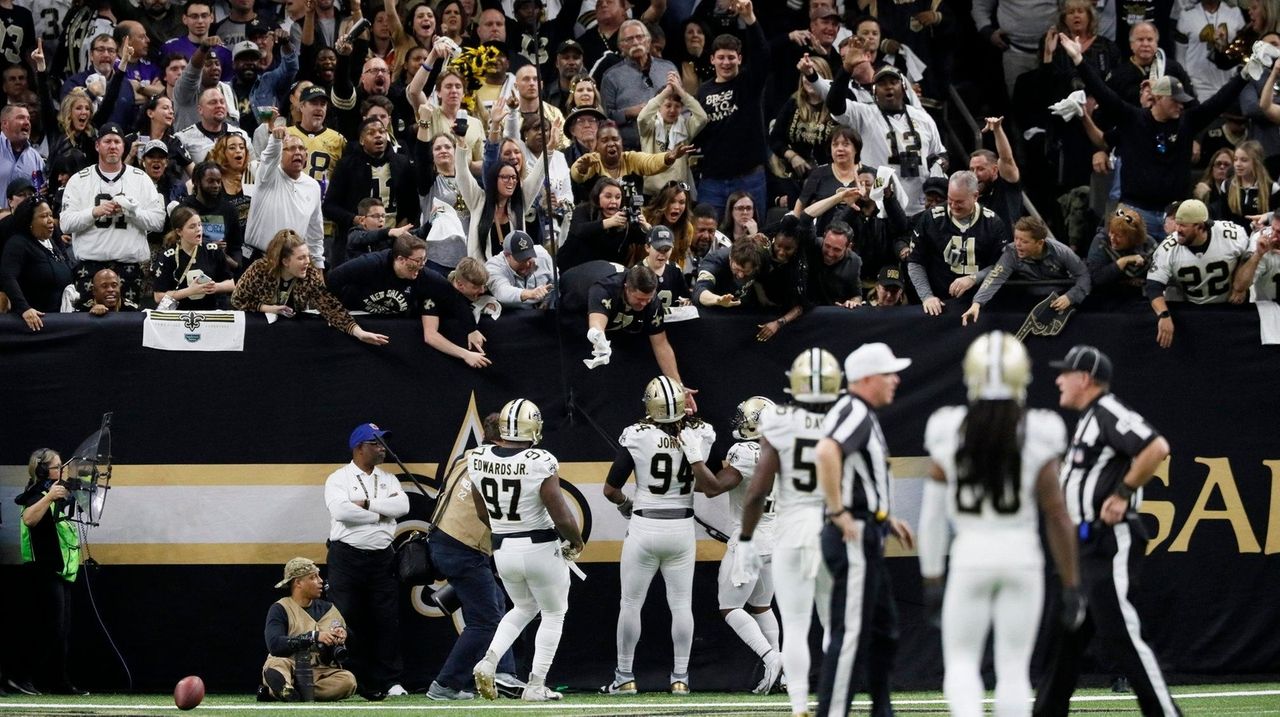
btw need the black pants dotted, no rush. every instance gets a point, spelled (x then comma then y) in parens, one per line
(1109, 564)
(363, 586)
(51, 631)
(859, 586)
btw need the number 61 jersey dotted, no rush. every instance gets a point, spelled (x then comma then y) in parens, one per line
(986, 533)
(1204, 276)
(509, 480)
(664, 476)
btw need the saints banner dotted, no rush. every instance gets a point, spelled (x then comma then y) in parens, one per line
(193, 330)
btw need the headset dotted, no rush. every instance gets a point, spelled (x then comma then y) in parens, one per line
(38, 466)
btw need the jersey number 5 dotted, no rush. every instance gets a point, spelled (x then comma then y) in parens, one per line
(493, 495)
(803, 461)
(660, 468)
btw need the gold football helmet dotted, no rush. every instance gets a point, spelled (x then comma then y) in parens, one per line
(815, 377)
(664, 400)
(997, 368)
(520, 420)
(746, 420)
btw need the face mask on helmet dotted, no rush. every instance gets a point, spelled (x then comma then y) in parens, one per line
(746, 420)
(997, 368)
(664, 400)
(520, 420)
(815, 377)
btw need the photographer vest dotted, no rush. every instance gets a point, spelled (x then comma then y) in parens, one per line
(301, 622)
(458, 519)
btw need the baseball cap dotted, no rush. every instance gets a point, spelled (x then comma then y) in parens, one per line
(660, 237)
(365, 432)
(887, 71)
(258, 27)
(520, 246)
(569, 46)
(314, 92)
(110, 128)
(246, 47)
(297, 568)
(155, 145)
(872, 360)
(1192, 211)
(821, 11)
(1169, 86)
(1086, 358)
(18, 185)
(890, 276)
(936, 185)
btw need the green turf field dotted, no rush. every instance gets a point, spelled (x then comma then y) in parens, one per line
(1215, 700)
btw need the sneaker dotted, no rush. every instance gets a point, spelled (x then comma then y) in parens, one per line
(483, 673)
(620, 686)
(509, 685)
(397, 690)
(22, 687)
(1119, 685)
(540, 693)
(680, 684)
(441, 693)
(772, 669)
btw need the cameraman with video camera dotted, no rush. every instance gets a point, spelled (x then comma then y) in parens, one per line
(306, 641)
(51, 557)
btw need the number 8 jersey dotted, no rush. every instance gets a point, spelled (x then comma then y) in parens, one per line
(1201, 275)
(509, 480)
(664, 476)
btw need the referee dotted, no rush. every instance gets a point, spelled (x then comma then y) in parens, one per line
(1111, 456)
(853, 472)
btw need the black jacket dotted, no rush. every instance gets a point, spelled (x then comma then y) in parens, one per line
(353, 180)
(32, 276)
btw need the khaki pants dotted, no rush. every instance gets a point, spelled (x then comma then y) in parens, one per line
(331, 683)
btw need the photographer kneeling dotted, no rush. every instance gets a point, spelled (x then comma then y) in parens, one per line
(303, 630)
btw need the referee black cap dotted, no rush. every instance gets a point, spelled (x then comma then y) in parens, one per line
(1088, 359)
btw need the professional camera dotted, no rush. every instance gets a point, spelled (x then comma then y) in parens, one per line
(305, 642)
(633, 202)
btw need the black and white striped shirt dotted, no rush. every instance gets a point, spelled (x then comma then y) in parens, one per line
(864, 484)
(1105, 442)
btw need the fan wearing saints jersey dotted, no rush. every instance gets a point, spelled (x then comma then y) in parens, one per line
(1113, 453)
(519, 495)
(786, 474)
(994, 467)
(1196, 264)
(748, 607)
(1260, 274)
(954, 246)
(667, 451)
(853, 472)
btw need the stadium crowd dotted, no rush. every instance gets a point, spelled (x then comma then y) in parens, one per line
(415, 158)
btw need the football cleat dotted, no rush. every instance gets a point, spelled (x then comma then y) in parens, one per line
(679, 687)
(997, 368)
(619, 687)
(772, 669)
(520, 420)
(540, 693)
(815, 377)
(664, 400)
(746, 420)
(483, 673)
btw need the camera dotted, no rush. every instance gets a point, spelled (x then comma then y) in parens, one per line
(633, 201)
(303, 644)
(908, 164)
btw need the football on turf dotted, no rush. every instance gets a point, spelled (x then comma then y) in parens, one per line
(188, 693)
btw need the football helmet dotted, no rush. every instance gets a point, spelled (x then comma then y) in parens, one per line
(520, 420)
(746, 420)
(997, 368)
(815, 377)
(664, 400)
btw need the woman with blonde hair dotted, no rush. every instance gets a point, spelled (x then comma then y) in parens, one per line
(285, 283)
(231, 154)
(1120, 255)
(1213, 182)
(1250, 191)
(189, 271)
(75, 126)
(800, 134)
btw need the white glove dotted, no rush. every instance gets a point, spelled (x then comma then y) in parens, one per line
(1069, 108)
(598, 358)
(568, 552)
(1260, 62)
(128, 205)
(746, 564)
(694, 449)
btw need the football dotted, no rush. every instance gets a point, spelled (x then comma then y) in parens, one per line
(188, 693)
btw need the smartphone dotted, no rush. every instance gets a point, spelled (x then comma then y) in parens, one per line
(362, 25)
(460, 123)
(286, 312)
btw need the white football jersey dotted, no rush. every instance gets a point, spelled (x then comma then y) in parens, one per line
(1200, 277)
(509, 480)
(1266, 282)
(794, 432)
(743, 457)
(999, 534)
(664, 476)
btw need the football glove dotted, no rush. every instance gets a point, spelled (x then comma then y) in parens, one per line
(746, 564)
(625, 508)
(568, 551)
(694, 448)
(1073, 609)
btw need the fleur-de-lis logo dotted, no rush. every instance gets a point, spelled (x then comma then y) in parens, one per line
(191, 320)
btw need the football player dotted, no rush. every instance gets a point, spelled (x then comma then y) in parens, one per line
(748, 608)
(995, 467)
(788, 435)
(1195, 264)
(519, 496)
(667, 451)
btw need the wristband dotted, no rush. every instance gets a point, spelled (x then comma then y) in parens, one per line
(838, 513)
(1163, 314)
(744, 538)
(1123, 490)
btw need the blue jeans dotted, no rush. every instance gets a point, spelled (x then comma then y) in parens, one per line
(715, 191)
(483, 605)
